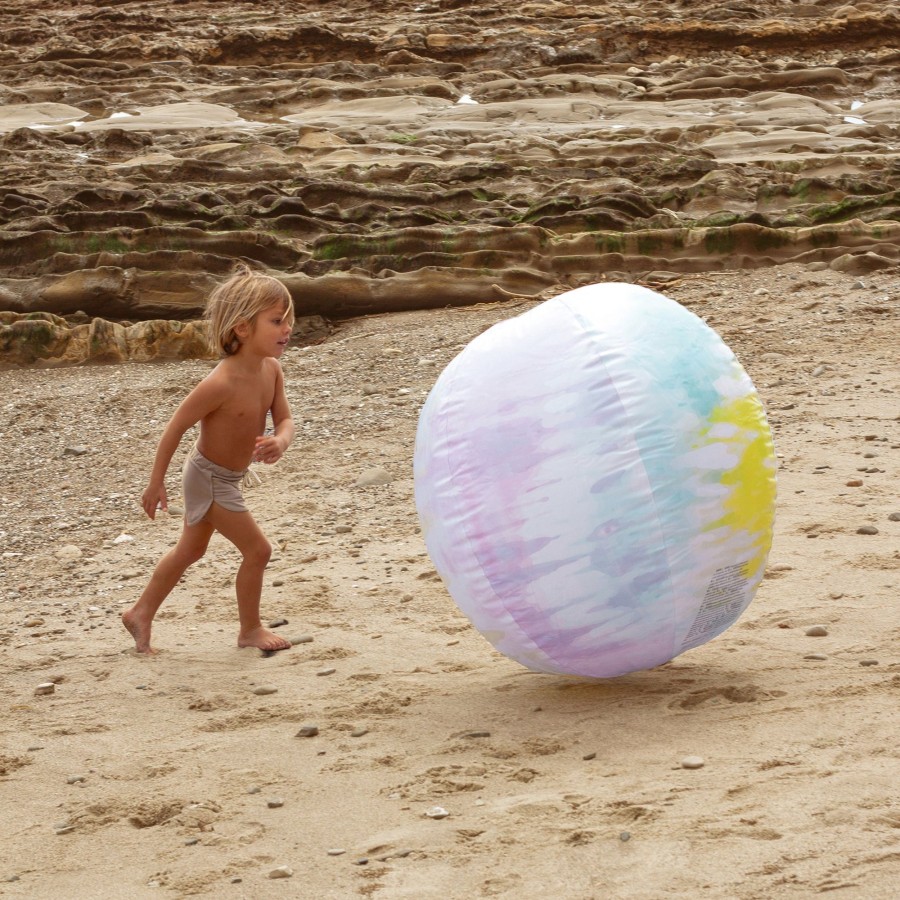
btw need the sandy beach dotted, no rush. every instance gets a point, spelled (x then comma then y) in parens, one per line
(415, 173)
(440, 768)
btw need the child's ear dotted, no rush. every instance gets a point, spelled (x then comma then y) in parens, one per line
(242, 329)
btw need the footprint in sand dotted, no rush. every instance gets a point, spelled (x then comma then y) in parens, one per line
(747, 693)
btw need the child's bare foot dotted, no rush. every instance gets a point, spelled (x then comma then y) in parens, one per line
(263, 639)
(139, 628)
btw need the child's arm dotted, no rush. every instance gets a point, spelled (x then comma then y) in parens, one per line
(271, 448)
(200, 402)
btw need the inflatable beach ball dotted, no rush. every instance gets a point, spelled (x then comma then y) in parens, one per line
(595, 480)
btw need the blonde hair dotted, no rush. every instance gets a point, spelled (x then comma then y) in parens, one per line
(241, 299)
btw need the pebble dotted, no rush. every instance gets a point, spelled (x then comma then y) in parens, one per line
(326, 671)
(264, 689)
(76, 779)
(47, 687)
(302, 639)
(894, 517)
(589, 756)
(374, 477)
(867, 529)
(692, 762)
(818, 657)
(254, 789)
(816, 631)
(868, 662)
(855, 482)
(359, 732)
(281, 872)
(190, 842)
(308, 731)
(63, 827)
(625, 836)
(277, 623)
(67, 552)
(275, 803)
(343, 529)
(336, 851)
(436, 812)
(77, 450)
(362, 861)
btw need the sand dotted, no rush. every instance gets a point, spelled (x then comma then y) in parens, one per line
(440, 768)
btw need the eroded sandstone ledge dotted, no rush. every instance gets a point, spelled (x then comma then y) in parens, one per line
(429, 155)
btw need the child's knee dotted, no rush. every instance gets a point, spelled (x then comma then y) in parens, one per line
(259, 554)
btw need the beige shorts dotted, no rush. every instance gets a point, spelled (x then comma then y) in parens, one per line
(205, 483)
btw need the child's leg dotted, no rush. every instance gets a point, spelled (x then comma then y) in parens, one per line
(241, 529)
(190, 547)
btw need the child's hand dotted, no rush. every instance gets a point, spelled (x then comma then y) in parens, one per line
(269, 449)
(155, 498)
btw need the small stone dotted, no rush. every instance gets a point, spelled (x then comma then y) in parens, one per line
(77, 450)
(817, 657)
(868, 662)
(476, 734)
(63, 827)
(589, 756)
(336, 851)
(275, 803)
(254, 789)
(326, 671)
(625, 836)
(359, 732)
(867, 529)
(301, 639)
(373, 478)
(277, 582)
(894, 517)
(68, 552)
(264, 689)
(362, 861)
(816, 631)
(277, 623)
(76, 779)
(281, 872)
(191, 842)
(343, 529)
(855, 482)
(437, 812)
(308, 731)
(692, 762)
(47, 687)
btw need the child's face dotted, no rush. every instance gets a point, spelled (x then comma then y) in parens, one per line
(270, 331)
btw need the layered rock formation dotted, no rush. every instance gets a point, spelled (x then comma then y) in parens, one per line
(409, 155)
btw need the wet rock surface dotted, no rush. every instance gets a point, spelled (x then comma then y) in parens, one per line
(435, 154)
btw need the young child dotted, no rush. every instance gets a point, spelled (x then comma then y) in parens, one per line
(250, 320)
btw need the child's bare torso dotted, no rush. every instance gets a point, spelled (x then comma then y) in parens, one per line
(228, 434)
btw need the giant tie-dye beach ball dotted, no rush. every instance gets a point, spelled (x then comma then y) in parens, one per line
(595, 480)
